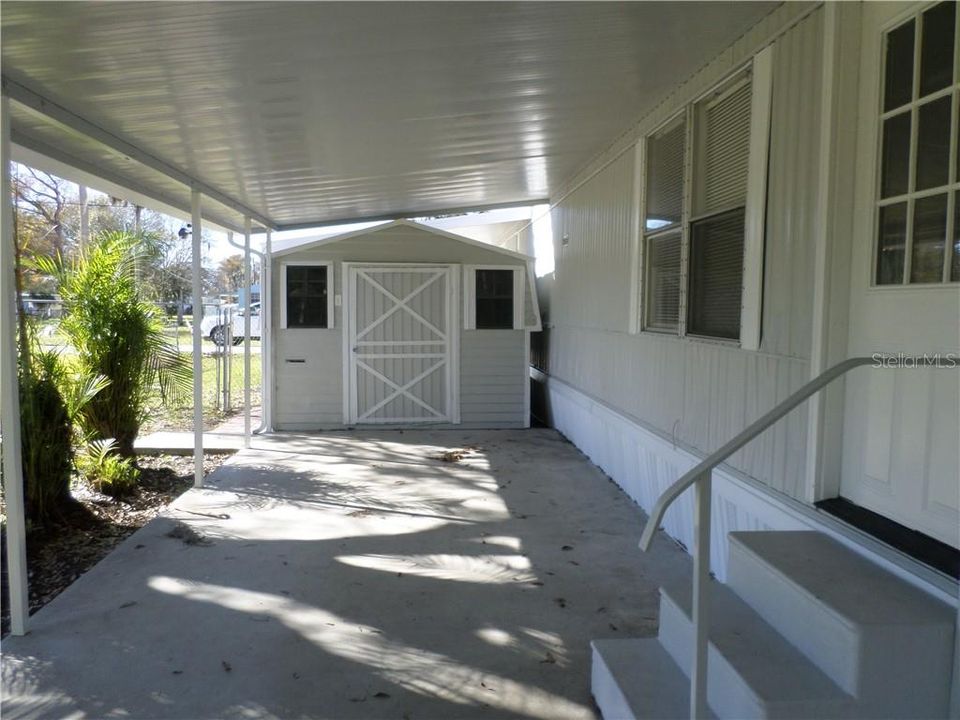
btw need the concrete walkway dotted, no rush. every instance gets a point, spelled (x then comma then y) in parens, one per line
(227, 437)
(355, 575)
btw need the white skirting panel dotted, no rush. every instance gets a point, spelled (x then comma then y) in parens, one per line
(644, 463)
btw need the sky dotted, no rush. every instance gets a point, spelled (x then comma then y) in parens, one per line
(216, 247)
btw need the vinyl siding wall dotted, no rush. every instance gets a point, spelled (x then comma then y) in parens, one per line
(698, 393)
(309, 395)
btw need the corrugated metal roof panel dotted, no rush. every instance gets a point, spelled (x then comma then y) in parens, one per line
(325, 111)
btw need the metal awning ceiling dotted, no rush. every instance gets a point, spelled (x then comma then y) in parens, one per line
(305, 113)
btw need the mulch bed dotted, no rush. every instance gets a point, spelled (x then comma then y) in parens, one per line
(91, 526)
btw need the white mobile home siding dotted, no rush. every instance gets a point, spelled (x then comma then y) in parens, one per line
(693, 392)
(309, 395)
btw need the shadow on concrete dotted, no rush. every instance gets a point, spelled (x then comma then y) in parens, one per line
(356, 577)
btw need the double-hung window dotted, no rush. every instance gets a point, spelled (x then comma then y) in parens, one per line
(704, 195)
(918, 208)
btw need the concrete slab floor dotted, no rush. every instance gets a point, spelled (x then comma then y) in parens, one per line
(355, 575)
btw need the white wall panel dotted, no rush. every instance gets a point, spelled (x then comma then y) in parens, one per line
(592, 234)
(644, 463)
(699, 393)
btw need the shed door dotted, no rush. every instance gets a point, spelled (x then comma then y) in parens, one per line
(401, 344)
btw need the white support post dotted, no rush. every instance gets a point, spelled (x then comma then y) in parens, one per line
(195, 201)
(246, 332)
(10, 396)
(266, 333)
(701, 595)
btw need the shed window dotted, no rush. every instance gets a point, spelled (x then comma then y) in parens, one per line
(705, 195)
(494, 299)
(919, 181)
(306, 296)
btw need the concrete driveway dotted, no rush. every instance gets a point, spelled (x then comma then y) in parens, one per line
(355, 575)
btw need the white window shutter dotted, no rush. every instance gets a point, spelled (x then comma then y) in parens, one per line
(469, 297)
(519, 299)
(751, 317)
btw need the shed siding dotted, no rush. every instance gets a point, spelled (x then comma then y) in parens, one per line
(309, 395)
(697, 392)
(493, 371)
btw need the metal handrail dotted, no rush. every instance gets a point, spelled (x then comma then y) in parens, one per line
(700, 478)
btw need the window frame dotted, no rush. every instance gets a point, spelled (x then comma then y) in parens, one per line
(470, 295)
(331, 292)
(912, 195)
(759, 70)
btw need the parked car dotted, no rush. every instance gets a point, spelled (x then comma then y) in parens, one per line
(214, 324)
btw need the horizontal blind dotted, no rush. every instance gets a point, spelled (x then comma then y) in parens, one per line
(663, 277)
(725, 149)
(664, 189)
(716, 275)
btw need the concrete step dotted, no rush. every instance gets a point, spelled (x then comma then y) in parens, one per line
(753, 672)
(637, 680)
(883, 641)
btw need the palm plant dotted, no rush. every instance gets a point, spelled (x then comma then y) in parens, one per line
(51, 400)
(117, 334)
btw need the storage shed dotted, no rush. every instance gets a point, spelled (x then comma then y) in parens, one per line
(401, 324)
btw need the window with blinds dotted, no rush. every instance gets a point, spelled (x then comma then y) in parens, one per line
(722, 156)
(666, 152)
(716, 275)
(695, 211)
(665, 155)
(663, 281)
(723, 150)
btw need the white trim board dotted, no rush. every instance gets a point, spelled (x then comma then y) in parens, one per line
(643, 462)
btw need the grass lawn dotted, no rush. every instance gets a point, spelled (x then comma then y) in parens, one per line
(166, 416)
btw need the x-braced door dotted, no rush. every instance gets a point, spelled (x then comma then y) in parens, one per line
(400, 334)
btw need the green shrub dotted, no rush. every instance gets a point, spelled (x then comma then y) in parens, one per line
(105, 470)
(117, 334)
(47, 435)
(51, 399)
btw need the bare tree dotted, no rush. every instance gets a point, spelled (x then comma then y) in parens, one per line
(46, 197)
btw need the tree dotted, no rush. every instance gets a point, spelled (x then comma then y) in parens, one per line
(230, 273)
(47, 199)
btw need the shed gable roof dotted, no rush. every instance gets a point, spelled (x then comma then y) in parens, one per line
(321, 242)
